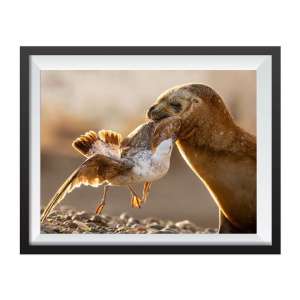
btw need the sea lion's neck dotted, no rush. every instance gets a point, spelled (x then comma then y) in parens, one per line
(216, 132)
(222, 169)
(216, 139)
(215, 154)
(208, 147)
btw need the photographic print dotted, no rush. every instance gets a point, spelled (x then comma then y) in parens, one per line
(116, 131)
(133, 152)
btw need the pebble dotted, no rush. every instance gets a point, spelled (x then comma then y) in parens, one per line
(82, 225)
(69, 222)
(167, 231)
(132, 221)
(48, 229)
(92, 225)
(209, 230)
(186, 225)
(124, 216)
(155, 226)
(174, 227)
(150, 220)
(152, 231)
(97, 219)
(81, 215)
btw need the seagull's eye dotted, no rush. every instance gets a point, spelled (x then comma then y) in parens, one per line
(176, 106)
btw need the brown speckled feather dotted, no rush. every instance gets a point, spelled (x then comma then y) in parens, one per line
(110, 137)
(140, 138)
(94, 171)
(150, 135)
(165, 129)
(106, 142)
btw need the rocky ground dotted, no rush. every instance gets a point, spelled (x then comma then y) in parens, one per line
(67, 221)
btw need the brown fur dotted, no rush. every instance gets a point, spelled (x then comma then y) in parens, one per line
(221, 154)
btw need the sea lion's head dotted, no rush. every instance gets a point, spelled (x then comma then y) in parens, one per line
(197, 105)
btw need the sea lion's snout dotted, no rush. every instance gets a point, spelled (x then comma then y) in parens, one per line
(155, 113)
(149, 112)
(174, 102)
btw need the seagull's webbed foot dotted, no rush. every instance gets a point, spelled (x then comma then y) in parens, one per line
(146, 190)
(136, 201)
(101, 205)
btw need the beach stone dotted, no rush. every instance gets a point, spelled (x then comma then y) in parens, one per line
(81, 215)
(92, 225)
(210, 230)
(82, 225)
(150, 221)
(186, 225)
(68, 217)
(106, 217)
(167, 231)
(61, 217)
(141, 230)
(132, 221)
(152, 231)
(156, 226)
(124, 216)
(171, 227)
(98, 219)
(169, 223)
(68, 222)
(48, 229)
(137, 226)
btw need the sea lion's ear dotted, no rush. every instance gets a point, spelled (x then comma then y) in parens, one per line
(195, 100)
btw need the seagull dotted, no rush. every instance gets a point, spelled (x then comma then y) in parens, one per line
(143, 156)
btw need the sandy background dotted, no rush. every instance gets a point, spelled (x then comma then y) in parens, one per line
(73, 102)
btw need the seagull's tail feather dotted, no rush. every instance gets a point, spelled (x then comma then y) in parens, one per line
(110, 137)
(85, 143)
(106, 142)
(59, 195)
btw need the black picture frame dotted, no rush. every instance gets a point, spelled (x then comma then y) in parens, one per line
(27, 248)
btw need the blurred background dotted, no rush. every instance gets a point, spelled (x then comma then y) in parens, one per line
(73, 102)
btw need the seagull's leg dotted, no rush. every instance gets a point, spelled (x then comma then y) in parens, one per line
(136, 201)
(146, 190)
(100, 206)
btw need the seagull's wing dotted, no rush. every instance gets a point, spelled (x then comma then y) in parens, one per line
(106, 142)
(165, 129)
(94, 171)
(139, 138)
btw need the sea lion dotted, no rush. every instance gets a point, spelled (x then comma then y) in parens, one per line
(222, 154)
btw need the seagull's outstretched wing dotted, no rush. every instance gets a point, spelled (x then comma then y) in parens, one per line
(94, 171)
(106, 142)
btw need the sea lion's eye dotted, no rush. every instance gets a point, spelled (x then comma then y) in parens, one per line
(176, 106)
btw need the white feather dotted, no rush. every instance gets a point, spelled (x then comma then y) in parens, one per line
(163, 150)
(148, 166)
